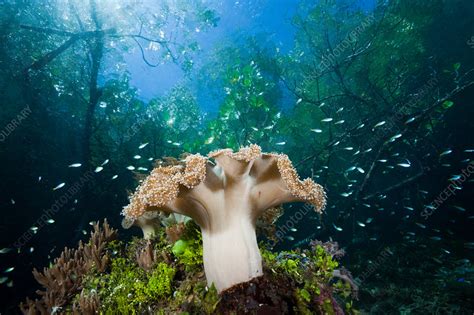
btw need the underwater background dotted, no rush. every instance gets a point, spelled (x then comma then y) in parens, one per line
(371, 99)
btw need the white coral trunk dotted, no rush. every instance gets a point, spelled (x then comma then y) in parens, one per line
(231, 254)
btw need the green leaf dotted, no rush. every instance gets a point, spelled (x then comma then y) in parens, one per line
(447, 104)
(456, 66)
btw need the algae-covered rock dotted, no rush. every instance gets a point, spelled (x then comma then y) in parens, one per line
(158, 276)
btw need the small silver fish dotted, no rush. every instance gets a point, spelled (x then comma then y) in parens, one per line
(59, 186)
(115, 176)
(9, 269)
(404, 164)
(98, 169)
(435, 238)
(75, 165)
(290, 238)
(395, 137)
(348, 148)
(337, 227)
(379, 124)
(360, 224)
(281, 143)
(437, 260)
(293, 230)
(130, 168)
(449, 151)
(350, 169)
(339, 122)
(141, 146)
(5, 250)
(369, 220)
(421, 225)
(137, 157)
(3, 280)
(409, 120)
(361, 170)
(316, 130)
(105, 162)
(50, 221)
(459, 208)
(407, 164)
(326, 119)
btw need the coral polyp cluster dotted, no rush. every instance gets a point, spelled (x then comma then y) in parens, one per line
(163, 184)
(306, 189)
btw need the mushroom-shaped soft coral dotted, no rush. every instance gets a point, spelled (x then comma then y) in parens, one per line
(225, 199)
(149, 222)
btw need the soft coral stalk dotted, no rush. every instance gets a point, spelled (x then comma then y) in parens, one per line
(225, 199)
